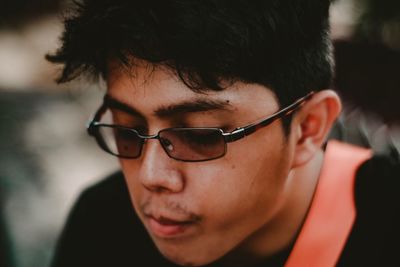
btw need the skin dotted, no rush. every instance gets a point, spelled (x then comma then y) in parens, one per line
(249, 204)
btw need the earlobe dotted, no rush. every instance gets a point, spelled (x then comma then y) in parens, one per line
(313, 123)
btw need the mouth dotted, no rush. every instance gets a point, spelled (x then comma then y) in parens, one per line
(164, 227)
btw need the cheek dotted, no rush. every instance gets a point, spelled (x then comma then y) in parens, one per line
(245, 193)
(252, 169)
(241, 194)
(130, 170)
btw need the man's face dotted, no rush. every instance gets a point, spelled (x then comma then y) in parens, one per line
(197, 212)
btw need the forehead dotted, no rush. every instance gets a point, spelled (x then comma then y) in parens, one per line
(148, 87)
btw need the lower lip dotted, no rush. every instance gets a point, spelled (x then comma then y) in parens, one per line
(167, 230)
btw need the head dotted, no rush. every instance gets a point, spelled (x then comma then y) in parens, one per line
(219, 64)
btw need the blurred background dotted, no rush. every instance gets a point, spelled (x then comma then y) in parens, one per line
(46, 157)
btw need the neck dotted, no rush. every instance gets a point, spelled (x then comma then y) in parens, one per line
(281, 232)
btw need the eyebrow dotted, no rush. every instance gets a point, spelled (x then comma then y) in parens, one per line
(111, 102)
(188, 106)
(192, 106)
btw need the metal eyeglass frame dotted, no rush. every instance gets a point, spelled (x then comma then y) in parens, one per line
(229, 137)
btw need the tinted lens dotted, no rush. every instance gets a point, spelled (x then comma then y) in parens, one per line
(193, 144)
(119, 141)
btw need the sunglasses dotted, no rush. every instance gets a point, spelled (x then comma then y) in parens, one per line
(183, 144)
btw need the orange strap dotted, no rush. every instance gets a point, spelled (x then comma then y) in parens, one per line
(332, 212)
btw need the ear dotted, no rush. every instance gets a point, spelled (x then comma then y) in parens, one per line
(312, 124)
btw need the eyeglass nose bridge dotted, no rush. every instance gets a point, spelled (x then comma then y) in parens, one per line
(161, 141)
(146, 137)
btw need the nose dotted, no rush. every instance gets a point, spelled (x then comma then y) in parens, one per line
(158, 172)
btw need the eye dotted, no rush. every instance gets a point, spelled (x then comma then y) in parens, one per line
(127, 141)
(125, 134)
(202, 137)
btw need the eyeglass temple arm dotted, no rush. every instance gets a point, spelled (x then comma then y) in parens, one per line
(241, 132)
(99, 113)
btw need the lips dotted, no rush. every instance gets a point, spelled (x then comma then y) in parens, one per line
(165, 227)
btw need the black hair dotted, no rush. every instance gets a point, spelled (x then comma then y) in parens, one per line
(281, 44)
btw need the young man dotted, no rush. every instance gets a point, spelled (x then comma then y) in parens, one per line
(220, 115)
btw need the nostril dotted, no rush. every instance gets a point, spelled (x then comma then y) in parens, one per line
(155, 188)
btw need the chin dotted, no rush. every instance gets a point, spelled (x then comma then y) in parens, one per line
(183, 257)
(185, 260)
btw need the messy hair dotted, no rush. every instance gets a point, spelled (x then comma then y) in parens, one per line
(281, 44)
